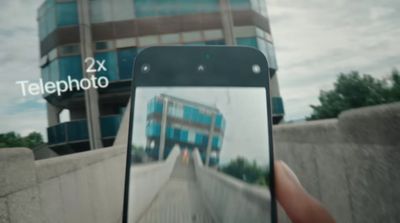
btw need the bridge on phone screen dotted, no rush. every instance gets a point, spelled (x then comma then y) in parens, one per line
(187, 191)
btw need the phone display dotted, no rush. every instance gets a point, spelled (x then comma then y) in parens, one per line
(199, 153)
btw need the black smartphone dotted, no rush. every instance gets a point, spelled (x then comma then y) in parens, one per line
(200, 137)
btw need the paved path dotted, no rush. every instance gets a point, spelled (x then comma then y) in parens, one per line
(180, 200)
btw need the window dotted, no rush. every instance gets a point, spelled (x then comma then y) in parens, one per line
(70, 66)
(66, 50)
(125, 62)
(252, 42)
(104, 45)
(67, 13)
(110, 63)
(148, 8)
(215, 42)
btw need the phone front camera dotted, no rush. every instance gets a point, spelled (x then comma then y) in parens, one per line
(145, 68)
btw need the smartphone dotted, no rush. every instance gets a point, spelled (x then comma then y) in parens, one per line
(200, 137)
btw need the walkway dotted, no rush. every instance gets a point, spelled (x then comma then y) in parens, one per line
(180, 200)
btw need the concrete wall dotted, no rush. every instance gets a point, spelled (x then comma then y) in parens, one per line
(230, 200)
(83, 187)
(351, 164)
(148, 179)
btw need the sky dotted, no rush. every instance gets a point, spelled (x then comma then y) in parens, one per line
(244, 111)
(315, 40)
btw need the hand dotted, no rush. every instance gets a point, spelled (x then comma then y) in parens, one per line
(297, 203)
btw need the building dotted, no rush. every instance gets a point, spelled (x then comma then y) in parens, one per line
(173, 121)
(115, 31)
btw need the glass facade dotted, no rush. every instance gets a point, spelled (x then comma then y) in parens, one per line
(53, 14)
(155, 8)
(188, 124)
(61, 61)
(75, 131)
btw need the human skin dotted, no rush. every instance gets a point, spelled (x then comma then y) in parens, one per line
(297, 203)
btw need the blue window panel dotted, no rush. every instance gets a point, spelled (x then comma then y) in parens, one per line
(154, 106)
(176, 134)
(215, 42)
(205, 140)
(199, 139)
(277, 106)
(57, 134)
(184, 135)
(110, 125)
(54, 70)
(153, 129)
(110, 63)
(170, 133)
(77, 130)
(50, 20)
(146, 8)
(215, 142)
(125, 62)
(240, 4)
(207, 120)
(196, 44)
(70, 66)
(249, 41)
(218, 121)
(45, 71)
(67, 13)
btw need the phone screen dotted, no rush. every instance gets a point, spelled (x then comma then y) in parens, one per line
(199, 154)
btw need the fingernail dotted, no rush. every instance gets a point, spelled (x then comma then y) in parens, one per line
(289, 173)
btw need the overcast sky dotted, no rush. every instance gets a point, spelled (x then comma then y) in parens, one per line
(315, 40)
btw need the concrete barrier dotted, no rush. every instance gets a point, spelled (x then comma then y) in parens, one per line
(82, 187)
(351, 164)
(147, 180)
(230, 200)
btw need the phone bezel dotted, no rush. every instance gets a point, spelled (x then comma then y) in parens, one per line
(176, 66)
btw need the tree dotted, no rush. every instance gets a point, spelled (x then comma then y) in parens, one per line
(138, 154)
(353, 90)
(245, 170)
(12, 139)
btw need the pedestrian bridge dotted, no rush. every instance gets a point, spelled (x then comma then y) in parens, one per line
(346, 163)
(177, 190)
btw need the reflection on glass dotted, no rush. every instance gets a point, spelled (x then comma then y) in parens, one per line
(197, 150)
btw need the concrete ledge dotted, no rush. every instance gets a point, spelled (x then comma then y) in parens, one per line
(17, 170)
(54, 167)
(321, 131)
(372, 125)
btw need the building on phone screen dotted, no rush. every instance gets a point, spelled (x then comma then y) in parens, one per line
(113, 33)
(172, 121)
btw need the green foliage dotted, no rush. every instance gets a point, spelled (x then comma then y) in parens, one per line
(353, 90)
(12, 139)
(243, 169)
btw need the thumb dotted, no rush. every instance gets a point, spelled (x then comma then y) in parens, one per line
(297, 203)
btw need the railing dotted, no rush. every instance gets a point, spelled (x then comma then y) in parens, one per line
(77, 131)
(232, 200)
